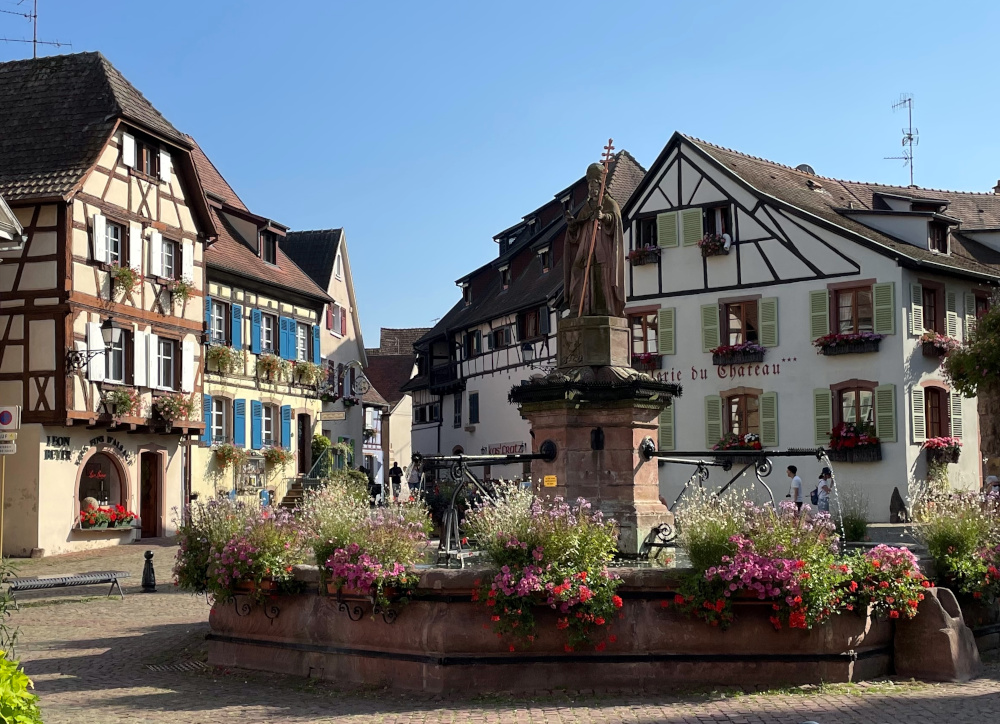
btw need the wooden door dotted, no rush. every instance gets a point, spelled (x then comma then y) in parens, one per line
(149, 494)
(304, 442)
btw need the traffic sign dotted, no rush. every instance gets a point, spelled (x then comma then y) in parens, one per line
(8, 436)
(8, 448)
(10, 418)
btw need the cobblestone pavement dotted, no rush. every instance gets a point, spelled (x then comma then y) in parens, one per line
(91, 658)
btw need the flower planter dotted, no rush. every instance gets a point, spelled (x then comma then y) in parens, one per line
(252, 586)
(746, 459)
(738, 358)
(932, 350)
(709, 251)
(943, 455)
(859, 454)
(641, 257)
(852, 347)
(646, 365)
(103, 525)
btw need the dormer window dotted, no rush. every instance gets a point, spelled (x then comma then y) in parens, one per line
(545, 259)
(938, 237)
(467, 294)
(505, 277)
(269, 247)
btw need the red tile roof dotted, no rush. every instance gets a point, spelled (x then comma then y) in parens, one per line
(388, 373)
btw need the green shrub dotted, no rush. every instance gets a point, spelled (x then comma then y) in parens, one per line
(205, 530)
(705, 524)
(17, 704)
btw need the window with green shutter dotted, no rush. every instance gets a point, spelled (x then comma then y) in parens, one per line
(713, 420)
(916, 309)
(819, 313)
(769, 419)
(885, 413)
(955, 410)
(885, 307)
(691, 223)
(918, 414)
(822, 415)
(767, 317)
(666, 230)
(667, 440)
(709, 327)
(665, 324)
(951, 314)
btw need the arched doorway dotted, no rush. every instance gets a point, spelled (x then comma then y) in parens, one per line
(103, 479)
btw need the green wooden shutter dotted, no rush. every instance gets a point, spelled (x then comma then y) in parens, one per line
(768, 404)
(666, 230)
(709, 327)
(822, 415)
(885, 413)
(665, 335)
(884, 296)
(916, 309)
(970, 315)
(713, 420)
(767, 317)
(819, 313)
(691, 223)
(951, 314)
(667, 440)
(918, 415)
(955, 404)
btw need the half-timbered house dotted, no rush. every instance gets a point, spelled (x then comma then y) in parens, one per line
(101, 310)
(263, 356)
(501, 332)
(798, 308)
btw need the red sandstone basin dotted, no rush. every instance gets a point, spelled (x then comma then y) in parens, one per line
(440, 642)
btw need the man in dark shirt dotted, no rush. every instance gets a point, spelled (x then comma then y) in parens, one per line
(396, 476)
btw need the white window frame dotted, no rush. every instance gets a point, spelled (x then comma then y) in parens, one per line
(220, 311)
(267, 425)
(219, 405)
(267, 325)
(166, 364)
(116, 348)
(114, 243)
(338, 318)
(338, 266)
(301, 342)
(168, 270)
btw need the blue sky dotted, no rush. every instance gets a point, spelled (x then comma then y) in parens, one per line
(425, 128)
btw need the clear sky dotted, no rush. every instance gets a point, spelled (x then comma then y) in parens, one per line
(423, 128)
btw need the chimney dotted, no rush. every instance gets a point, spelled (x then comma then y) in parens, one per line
(996, 189)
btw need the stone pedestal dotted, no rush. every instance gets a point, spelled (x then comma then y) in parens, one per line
(597, 410)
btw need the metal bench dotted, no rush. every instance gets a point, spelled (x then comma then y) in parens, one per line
(94, 578)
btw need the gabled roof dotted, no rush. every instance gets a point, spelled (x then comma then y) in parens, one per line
(212, 181)
(57, 114)
(830, 203)
(314, 251)
(388, 373)
(397, 341)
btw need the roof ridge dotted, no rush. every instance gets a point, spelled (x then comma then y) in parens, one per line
(831, 178)
(109, 68)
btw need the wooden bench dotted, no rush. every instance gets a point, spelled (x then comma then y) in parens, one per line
(94, 578)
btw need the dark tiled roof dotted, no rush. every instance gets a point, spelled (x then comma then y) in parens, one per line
(533, 287)
(314, 251)
(395, 341)
(791, 186)
(58, 112)
(388, 373)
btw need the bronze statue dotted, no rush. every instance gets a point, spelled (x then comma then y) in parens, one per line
(599, 251)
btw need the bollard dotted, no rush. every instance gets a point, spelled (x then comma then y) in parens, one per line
(148, 575)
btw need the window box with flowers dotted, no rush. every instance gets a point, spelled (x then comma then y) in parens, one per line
(124, 279)
(180, 290)
(644, 255)
(853, 443)
(96, 518)
(938, 345)
(734, 443)
(228, 455)
(714, 245)
(646, 361)
(277, 456)
(369, 433)
(849, 343)
(273, 367)
(173, 407)
(225, 359)
(121, 402)
(943, 450)
(308, 373)
(738, 354)
(351, 401)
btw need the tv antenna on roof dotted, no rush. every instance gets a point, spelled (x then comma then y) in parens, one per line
(911, 136)
(32, 17)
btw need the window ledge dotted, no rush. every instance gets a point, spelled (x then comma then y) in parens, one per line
(145, 176)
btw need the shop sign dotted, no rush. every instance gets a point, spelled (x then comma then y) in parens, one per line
(505, 448)
(57, 448)
(115, 443)
(332, 416)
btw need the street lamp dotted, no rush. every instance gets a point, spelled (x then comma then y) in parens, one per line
(77, 359)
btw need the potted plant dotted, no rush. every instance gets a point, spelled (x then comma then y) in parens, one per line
(124, 279)
(308, 372)
(369, 433)
(943, 449)
(272, 367)
(174, 406)
(938, 345)
(121, 517)
(848, 343)
(646, 361)
(180, 290)
(854, 443)
(731, 442)
(714, 245)
(351, 400)
(225, 358)
(277, 455)
(228, 454)
(94, 518)
(121, 402)
(738, 354)
(644, 255)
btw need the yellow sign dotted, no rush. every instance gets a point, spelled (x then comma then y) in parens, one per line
(549, 481)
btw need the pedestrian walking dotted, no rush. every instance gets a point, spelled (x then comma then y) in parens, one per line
(396, 478)
(796, 489)
(824, 486)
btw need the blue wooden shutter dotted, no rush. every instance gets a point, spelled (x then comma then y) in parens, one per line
(208, 312)
(239, 423)
(237, 327)
(255, 318)
(206, 415)
(256, 424)
(316, 353)
(288, 339)
(286, 426)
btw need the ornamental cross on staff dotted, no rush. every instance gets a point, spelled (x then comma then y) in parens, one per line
(605, 162)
